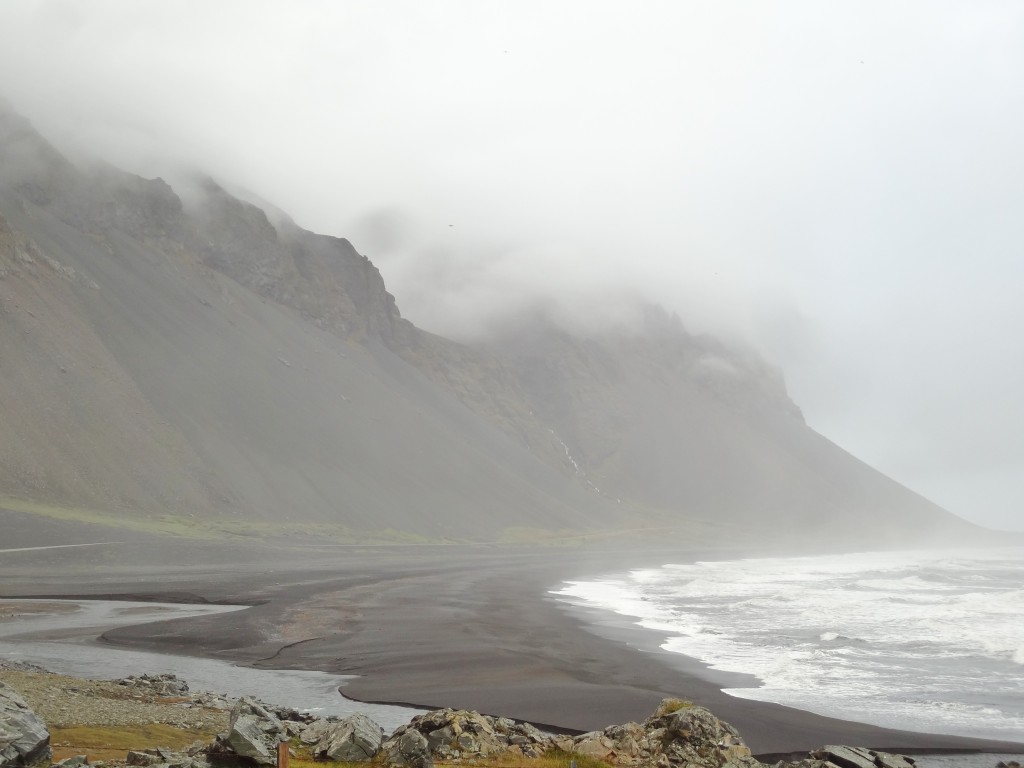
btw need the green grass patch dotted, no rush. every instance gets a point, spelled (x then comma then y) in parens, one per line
(108, 744)
(162, 524)
(207, 527)
(113, 743)
(556, 758)
(668, 706)
(553, 759)
(196, 526)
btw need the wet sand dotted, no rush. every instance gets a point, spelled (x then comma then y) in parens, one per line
(466, 627)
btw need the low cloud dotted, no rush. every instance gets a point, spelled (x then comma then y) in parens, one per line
(836, 185)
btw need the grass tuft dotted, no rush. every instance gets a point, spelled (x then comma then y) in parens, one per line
(668, 706)
(557, 758)
(113, 743)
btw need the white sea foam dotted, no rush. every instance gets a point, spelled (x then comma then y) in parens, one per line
(930, 641)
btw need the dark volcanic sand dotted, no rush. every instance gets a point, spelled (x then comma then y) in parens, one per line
(466, 627)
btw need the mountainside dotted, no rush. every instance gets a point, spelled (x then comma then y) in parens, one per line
(196, 358)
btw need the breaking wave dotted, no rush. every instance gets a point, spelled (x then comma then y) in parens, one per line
(925, 641)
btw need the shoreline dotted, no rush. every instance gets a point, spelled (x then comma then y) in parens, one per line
(470, 627)
(908, 699)
(57, 699)
(623, 629)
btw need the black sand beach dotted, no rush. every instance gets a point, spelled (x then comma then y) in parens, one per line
(467, 627)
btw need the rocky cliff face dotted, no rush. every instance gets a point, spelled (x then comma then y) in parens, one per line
(199, 356)
(323, 278)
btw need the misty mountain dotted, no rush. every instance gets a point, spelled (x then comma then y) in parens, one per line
(186, 354)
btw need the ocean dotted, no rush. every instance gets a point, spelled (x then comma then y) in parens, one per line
(929, 641)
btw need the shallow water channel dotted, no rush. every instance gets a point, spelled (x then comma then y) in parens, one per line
(63, 639)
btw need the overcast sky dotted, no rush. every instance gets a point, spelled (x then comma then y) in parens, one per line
(840, 184)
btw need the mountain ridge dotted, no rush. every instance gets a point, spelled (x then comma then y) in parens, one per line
(195, 356)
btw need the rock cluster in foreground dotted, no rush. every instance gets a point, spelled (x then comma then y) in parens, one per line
(24, 739)
(678, 734)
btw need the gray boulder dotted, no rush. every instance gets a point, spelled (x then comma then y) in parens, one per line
(678, 733)
(247, 739)
(248, 706)
(314, 732)
(254, 732)
(354, 739)
(142, 758)
(193, 757)
(461, 734)
(407, 746)
(24, 740)
(888, 760)
(858, 757)
(846, 757)
(158, 685)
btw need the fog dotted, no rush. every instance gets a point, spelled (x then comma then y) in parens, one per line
(839, 185)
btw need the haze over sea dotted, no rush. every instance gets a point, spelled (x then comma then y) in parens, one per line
(930, 641)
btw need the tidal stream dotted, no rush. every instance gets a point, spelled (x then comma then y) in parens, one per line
(64, 639)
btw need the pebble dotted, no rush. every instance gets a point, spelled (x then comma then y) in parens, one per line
(58, 700)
